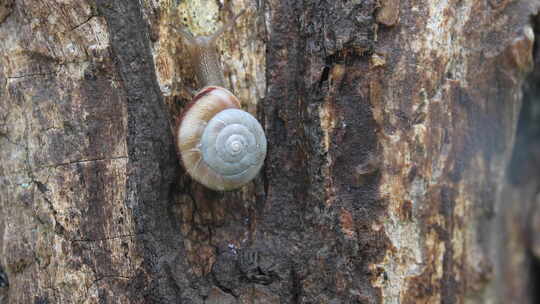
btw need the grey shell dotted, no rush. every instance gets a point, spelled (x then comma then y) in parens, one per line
(222, 147)
(233, 144)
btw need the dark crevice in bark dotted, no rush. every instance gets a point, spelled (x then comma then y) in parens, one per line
(535, 280)
(324, 76)
(226, 290)
(152, 164)
(524, 167)
(4, 285)
(321, 128)
(84, 22)
(296, 286)
(525, 160)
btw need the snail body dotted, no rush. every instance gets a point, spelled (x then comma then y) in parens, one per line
(220, 145)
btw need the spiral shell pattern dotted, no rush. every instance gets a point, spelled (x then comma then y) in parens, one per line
(221, 146)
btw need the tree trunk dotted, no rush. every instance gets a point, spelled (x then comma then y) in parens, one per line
(389, 176)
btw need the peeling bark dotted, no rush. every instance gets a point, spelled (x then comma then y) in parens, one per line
(393, 173)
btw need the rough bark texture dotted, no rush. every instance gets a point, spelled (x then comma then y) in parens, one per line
(390, 176)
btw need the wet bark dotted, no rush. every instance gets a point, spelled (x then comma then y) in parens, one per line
(394, 173)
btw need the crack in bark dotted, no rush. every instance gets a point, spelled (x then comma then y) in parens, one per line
(108, 238)
(81, 161)
(32, 75)
(110, 276)
(84, 22)
(226, 290)
(60, 65)
(59, 230)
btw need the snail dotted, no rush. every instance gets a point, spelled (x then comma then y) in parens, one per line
(220, 145)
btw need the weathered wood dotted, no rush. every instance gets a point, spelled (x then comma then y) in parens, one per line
(390, 127)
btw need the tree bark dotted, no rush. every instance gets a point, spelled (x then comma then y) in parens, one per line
(391, 174)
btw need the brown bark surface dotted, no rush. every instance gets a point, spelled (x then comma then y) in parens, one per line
(391, 175)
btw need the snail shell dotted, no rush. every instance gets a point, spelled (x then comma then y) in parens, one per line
(221, 146)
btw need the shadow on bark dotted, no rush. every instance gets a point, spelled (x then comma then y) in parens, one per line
(524, 172)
